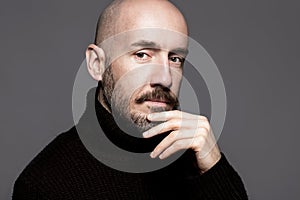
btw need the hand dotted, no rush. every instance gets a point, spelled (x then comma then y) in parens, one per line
(188, 131)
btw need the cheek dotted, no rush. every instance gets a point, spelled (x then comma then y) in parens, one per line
(116, 73)
(176, 83)
(138, 107)
(134, 94)
(119, 68)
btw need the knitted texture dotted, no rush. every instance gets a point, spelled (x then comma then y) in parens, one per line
(65, 170)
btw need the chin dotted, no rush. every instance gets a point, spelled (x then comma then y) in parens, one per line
(140, 121)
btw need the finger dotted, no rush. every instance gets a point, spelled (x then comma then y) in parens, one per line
(161, 128)
(176, 124)
(171, 125)
(172, 138)
(176, 146)
(167, 115)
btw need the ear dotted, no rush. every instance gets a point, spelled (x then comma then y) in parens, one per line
(95, 60)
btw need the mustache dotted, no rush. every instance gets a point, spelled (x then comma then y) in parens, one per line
(159, 94)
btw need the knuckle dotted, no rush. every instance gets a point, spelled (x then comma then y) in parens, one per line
(177, 145)
(175, 123)
(208, 127)
(161, 127)
(166, 125)
(203, 130)
(200, 141)
(173, 135)
(178, 113)
(204, 118)
(205, 124)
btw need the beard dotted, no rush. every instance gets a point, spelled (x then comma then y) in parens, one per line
(132, 121)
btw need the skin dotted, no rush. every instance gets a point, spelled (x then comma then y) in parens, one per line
(187, 131)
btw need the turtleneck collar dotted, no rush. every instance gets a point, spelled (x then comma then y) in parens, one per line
(97, 129)
(113, 132)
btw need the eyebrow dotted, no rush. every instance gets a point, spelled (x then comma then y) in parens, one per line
(180, 51)
(145, 44)
(150, 44)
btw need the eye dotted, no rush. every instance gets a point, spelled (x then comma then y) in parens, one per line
(177, 60)
(141, 56)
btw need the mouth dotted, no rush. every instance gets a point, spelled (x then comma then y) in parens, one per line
(160, 98)
(157, 102)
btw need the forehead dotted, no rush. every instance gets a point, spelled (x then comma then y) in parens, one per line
(163, 39)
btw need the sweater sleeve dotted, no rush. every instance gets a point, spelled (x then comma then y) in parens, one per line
(219, 183)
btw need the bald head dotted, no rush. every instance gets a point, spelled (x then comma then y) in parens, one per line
(125, 15)
(107, 20)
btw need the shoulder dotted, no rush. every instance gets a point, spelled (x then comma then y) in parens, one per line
(59, 156)
(56, 151)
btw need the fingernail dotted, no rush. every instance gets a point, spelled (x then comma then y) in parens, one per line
(152, 155)
(149, 116)
(161, 156)
(145, 134)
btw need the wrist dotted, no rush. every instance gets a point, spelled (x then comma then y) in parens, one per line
(208, 161)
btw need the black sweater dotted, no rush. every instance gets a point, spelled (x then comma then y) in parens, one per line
(66, 170)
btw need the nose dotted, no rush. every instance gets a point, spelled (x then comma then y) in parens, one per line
(162, 73)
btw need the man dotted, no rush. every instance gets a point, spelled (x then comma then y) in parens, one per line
(137, 108)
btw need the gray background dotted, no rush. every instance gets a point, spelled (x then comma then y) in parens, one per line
(254, 43)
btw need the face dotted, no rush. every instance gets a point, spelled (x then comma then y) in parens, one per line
(145, 76)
